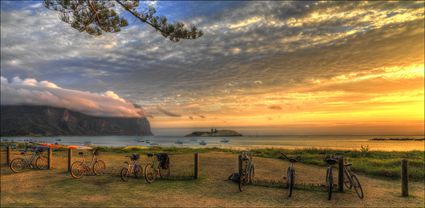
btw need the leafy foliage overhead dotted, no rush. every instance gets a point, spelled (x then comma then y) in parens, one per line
(96, 17)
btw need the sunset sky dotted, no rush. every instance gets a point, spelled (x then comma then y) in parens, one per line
(261, 67)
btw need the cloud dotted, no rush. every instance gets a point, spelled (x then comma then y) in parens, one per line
(253, 55)
(44, 93)
(168, 113)
(275, 107)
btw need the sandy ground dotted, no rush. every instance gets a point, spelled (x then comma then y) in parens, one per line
(53, 188)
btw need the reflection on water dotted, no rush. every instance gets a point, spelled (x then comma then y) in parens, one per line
(245, 142)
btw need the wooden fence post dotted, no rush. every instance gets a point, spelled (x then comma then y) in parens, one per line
(49, 158)
(69, 159)
(341, 174)
(8, 155)
(404, 179)
(196, 166)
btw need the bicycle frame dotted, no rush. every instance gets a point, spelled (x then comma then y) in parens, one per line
(249, 165)
(348, 169)
(131, 165)
(247, 157)
(30, 161)
(153, 168)
(86, 165)
(246, 170)
(155, 163)
(290, 174)
(289, 159)
(329, 176)
(328, 170)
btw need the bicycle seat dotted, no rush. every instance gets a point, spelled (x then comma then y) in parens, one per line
(149, 154)
(292, 160)
(331, 161)
(348, 164)
(134, 157)
(80, 153)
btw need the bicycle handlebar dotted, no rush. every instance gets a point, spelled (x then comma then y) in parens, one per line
(284, 156)
(288, 158)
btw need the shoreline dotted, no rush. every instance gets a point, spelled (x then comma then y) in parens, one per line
(213, 147)
(343, 143)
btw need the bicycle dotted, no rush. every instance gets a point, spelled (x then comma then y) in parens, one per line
(157, 166)
(329, 176)
(351, 180)
(37, 160)
(96, 166)
(290, 174)
(132, 168)
(246, 170)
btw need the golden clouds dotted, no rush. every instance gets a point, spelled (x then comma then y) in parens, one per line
(385, 96)
(245, 22)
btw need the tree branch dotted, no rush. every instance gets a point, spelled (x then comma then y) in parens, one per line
(138, 17)
(95, 14)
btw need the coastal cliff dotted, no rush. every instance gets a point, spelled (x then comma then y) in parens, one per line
(51, 121)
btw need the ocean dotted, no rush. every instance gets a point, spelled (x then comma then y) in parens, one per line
(244, 142)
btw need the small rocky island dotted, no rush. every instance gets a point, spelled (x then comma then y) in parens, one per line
(214, 133)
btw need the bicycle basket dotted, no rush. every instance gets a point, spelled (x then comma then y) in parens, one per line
(164, 160)
(134, 156)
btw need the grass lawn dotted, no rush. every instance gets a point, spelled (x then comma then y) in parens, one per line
(35, 188)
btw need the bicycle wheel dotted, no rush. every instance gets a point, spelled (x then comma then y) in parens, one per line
(124, 174)
(150, 173)
(77, 169)
(243, 175)
(41, 163)
(329, 182)
(241, 183)
(290, 181)
(251, 174)
(99, 167)
(357, 186)
(17, 165)
(347, 180)
(138, 171)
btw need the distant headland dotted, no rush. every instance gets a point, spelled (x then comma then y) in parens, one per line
(214, 133)
(51, 121)
(397, 139)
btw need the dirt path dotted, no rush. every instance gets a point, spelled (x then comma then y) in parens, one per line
(55, 188)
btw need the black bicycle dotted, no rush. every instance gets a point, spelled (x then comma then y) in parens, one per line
(351, 180)
(158, 166)
(246, 170)
(329, 176)
(290, 174)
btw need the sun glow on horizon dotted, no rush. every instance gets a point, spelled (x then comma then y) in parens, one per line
(397, 101)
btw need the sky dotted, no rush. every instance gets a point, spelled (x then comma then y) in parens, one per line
(263, 67)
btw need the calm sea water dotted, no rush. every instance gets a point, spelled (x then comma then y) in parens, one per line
(245, 142)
